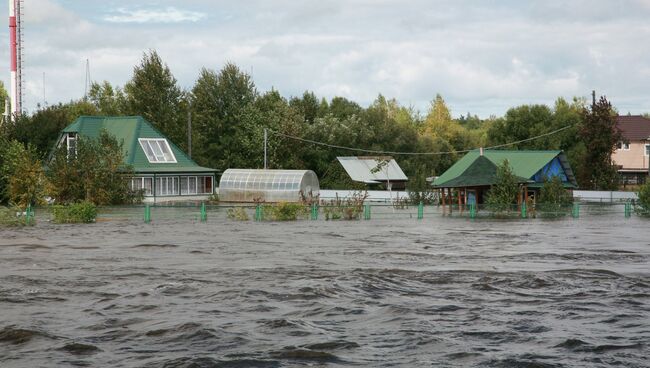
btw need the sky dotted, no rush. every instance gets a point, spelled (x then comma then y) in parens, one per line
(483, 57)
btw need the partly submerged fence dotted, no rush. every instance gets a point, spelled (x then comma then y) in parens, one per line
(203, 212)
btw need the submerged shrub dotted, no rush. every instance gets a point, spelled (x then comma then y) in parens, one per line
(238, 214)
(285, 211)
(82, 212)
(15, 216)
(643, 204)
(554, 200)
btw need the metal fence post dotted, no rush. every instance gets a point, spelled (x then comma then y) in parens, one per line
(204, 214)
(472, 210)
(628, 209)
(420, 210)
(314, 211)
(524, 212)
(147, 213)
(576, 210)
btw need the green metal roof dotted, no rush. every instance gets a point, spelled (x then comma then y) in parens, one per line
(481, 172)
(524, 164)
(128, 129)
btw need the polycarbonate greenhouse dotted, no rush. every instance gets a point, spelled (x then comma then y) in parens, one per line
(248, 185)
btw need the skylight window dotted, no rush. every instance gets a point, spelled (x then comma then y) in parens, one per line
(157, 150)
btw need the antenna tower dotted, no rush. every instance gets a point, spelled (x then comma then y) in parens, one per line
(16, 54)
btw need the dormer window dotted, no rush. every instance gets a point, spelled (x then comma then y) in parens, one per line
(157, 150)
(71, 144)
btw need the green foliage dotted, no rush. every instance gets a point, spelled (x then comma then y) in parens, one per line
(419, 190)
(553, 198)
(96, 174)
(643, 204)
(82, 212)
(600, 135)
(285, 211)
(348, 209)
(503, 193)
(108, 100)
(22, 175)
(237, 214)
(153, 93)
(8, 217)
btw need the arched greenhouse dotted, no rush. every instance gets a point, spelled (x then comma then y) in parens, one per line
(249, 185)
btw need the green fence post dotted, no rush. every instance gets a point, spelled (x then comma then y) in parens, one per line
(472, 210)
(366, 212)
(420, 210)
(524, 212)
(27, 214)
(314, 211)
(147, 214)
(259, 213)
(628, 209)
(204, 214)
(576, 210)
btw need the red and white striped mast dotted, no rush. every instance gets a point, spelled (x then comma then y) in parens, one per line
(14, 47)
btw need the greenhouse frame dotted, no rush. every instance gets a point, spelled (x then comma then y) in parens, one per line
(255, 185)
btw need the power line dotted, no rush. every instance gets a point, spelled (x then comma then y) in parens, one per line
(415, 153)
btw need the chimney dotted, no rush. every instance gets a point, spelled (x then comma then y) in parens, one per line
(480, 150)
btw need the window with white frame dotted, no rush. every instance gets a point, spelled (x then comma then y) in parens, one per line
(142, 183)
(157, 150)
(167, 185)
(647, 149)
(190, 185)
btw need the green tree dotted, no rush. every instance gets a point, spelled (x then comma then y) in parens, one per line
(42, 129)
(22, 174)
(419, 190)
(503, 193)
(153, 93)
(95, 174)
(108, 100)
(219, 100)
(553, 198)
(643, 204)
(599, 133)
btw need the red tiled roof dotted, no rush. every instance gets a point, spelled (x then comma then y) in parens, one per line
(634, 127)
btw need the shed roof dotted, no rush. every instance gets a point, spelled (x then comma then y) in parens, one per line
(361, 169)
(481, 172)
(524, 164)
(128, 129)
(634, 127)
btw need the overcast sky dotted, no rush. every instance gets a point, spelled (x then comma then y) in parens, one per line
(481, 56)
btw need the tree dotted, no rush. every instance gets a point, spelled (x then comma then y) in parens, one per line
(219, 100)
(42, 129)
(419, 190)
(553, 198)
(503, 193)
(22, 174)
(599, 133)
(154, 94)
(107, 100)
(95, 174)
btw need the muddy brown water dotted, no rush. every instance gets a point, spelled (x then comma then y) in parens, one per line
(444, 292)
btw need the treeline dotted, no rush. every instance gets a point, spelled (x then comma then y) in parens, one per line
(228, 117)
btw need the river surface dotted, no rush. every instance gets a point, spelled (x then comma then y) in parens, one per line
(443, 292)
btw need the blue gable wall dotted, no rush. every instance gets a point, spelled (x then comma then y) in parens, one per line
(553, 168)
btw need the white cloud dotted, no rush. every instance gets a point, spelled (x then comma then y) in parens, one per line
(167, 15)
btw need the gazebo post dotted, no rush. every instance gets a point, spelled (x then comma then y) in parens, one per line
(451, 201)
(460, 201)
(442, 200)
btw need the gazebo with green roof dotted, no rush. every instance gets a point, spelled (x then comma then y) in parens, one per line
(161, 168)
(474, 174)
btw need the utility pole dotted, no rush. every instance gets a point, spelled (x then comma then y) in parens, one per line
(265, 143)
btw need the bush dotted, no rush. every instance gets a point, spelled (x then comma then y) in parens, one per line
(419, 190)
(82, 212)
(553, 198)
(8, 217)
(503, 193)
(285, 211)
(238, 214)
(643, 204)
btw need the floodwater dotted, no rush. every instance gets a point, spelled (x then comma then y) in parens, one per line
(444, 292)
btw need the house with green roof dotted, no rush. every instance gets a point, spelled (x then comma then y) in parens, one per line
(473, 175)
(161, 168)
